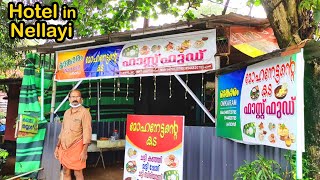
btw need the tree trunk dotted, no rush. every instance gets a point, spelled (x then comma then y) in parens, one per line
(145, 23)
(283, 18)
(291, 25)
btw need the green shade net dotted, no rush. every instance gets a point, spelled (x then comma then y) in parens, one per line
(29, 149)
(115, 102)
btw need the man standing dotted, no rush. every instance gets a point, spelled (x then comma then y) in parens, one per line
(74, 138)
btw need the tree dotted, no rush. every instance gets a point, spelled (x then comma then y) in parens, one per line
(312, 105)
(96, 17)
(292, 20)
(8, 57)
(104, 16)
(295, 21)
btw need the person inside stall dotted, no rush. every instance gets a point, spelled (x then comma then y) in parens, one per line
(74, 138)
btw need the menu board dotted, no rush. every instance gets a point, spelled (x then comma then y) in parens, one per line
(154, 147)
(258, 104)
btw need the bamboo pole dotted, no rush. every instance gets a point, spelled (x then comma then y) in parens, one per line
(21, 175)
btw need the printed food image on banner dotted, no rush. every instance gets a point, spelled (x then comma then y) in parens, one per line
(154, 147)
(184, 53)
(173, 54)
(258, 104)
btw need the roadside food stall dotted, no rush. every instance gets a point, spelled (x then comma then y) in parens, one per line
(130, 76)
(191, 53)
(185, 53)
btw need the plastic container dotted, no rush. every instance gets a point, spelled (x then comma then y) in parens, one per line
(94, 137)
(115, 134)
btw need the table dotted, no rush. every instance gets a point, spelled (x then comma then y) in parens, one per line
(102, 146)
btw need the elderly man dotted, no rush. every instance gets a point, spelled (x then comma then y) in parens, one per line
(74, 138)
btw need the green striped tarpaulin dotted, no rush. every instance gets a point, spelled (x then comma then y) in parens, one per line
(29, 149)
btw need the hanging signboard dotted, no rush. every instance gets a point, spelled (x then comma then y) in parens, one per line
(28, 124)
(154, 147)
(253, 41)
(185, 53)
(259, 104)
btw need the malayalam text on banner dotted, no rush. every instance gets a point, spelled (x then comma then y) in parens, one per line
(185, 53)
(258, 104)
(154, 147)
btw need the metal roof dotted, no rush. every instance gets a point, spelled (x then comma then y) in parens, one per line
(211, 22)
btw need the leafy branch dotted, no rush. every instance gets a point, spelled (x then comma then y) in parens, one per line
(264, 169)
(261, 169)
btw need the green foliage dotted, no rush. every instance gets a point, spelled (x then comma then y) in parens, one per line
(304, 5)
(306, 167)
(97, 17)
(108, 16)
(260, 169)
(2, 115)
(105, 16)
(311, 54)
(310, 5)
(309, 9)
(3, 157)
(207, 9)
(3, 153)
(189, 15)
(8, 57)
(254, 2)
(314, 6)
(263, 169)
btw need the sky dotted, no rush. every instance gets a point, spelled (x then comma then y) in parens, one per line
(237, 6)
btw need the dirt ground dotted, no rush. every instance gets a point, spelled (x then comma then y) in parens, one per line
(112, 172)
(8, 168)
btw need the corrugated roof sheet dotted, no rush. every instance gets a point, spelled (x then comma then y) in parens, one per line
(211, 22)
